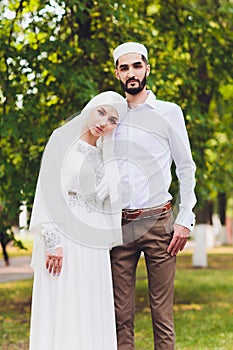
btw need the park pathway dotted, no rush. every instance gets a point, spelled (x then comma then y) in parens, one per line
(18, 269)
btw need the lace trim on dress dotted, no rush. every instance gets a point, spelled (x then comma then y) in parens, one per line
(85, 147)
(91, 201)
(52, 239)
(93, 155)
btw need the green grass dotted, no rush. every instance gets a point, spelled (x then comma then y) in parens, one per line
(203, 307)
(15, 301)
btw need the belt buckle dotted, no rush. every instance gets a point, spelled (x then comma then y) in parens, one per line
(132, 215)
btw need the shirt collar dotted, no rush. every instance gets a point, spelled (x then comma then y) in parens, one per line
(150, 101)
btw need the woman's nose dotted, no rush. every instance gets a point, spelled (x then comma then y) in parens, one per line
(103, 121)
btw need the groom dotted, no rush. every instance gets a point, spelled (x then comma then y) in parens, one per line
(150, 137)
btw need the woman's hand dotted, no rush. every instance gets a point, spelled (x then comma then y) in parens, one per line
(54, 262)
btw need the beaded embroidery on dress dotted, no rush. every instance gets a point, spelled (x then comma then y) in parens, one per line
(91, 201)
(94, 155)
(52, 238)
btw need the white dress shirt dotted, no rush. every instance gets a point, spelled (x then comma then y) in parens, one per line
(148, 139)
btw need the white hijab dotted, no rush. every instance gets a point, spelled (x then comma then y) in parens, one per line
(50, 206)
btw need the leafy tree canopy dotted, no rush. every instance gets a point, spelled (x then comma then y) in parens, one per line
(56, 55)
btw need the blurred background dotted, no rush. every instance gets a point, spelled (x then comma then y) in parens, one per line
(56, 55)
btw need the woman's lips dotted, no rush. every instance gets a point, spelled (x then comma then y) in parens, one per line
(98, 129)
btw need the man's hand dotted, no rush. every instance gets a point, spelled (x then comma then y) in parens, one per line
(54, 262)
(180, 237)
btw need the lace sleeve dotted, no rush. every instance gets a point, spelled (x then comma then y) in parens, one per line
(52, 238)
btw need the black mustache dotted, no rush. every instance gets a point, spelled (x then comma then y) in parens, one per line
(132, 79)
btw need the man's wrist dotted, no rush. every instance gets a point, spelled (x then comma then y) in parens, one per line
(186, 219)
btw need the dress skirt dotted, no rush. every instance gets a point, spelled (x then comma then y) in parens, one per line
(74, 311)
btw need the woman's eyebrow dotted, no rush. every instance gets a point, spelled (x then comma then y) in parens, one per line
(102, 108)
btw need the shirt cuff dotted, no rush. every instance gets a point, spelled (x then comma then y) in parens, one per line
(185, 218)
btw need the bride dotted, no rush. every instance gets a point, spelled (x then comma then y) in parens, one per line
(76, 220)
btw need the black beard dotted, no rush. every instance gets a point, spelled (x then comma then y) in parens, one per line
(136, 90)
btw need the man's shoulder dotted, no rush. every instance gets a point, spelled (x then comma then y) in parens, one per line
(161, 105)
(166, 105)
(166, 109)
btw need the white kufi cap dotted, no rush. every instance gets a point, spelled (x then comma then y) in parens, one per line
(130, 47)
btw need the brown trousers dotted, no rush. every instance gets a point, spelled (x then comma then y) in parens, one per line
(152, 236)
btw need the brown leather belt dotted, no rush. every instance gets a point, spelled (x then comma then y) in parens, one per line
(136, 214)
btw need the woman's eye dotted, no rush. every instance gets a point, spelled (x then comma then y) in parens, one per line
(100, 112)
(113, 120)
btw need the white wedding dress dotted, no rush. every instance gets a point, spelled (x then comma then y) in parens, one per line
(75, 311)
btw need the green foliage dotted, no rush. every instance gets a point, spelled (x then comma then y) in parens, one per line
(55, 55)
(193, 62)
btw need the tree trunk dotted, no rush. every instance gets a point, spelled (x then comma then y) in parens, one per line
(222, 203)
(204, 214)
(203, 234)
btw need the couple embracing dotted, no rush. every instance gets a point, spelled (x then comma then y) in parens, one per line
(102, 199)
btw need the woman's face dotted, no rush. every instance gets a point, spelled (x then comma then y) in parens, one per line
(102, 120)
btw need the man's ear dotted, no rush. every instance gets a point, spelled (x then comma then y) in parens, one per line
(117, 74)
(147, 70)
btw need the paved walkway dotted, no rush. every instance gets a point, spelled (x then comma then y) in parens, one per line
(18, 269)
